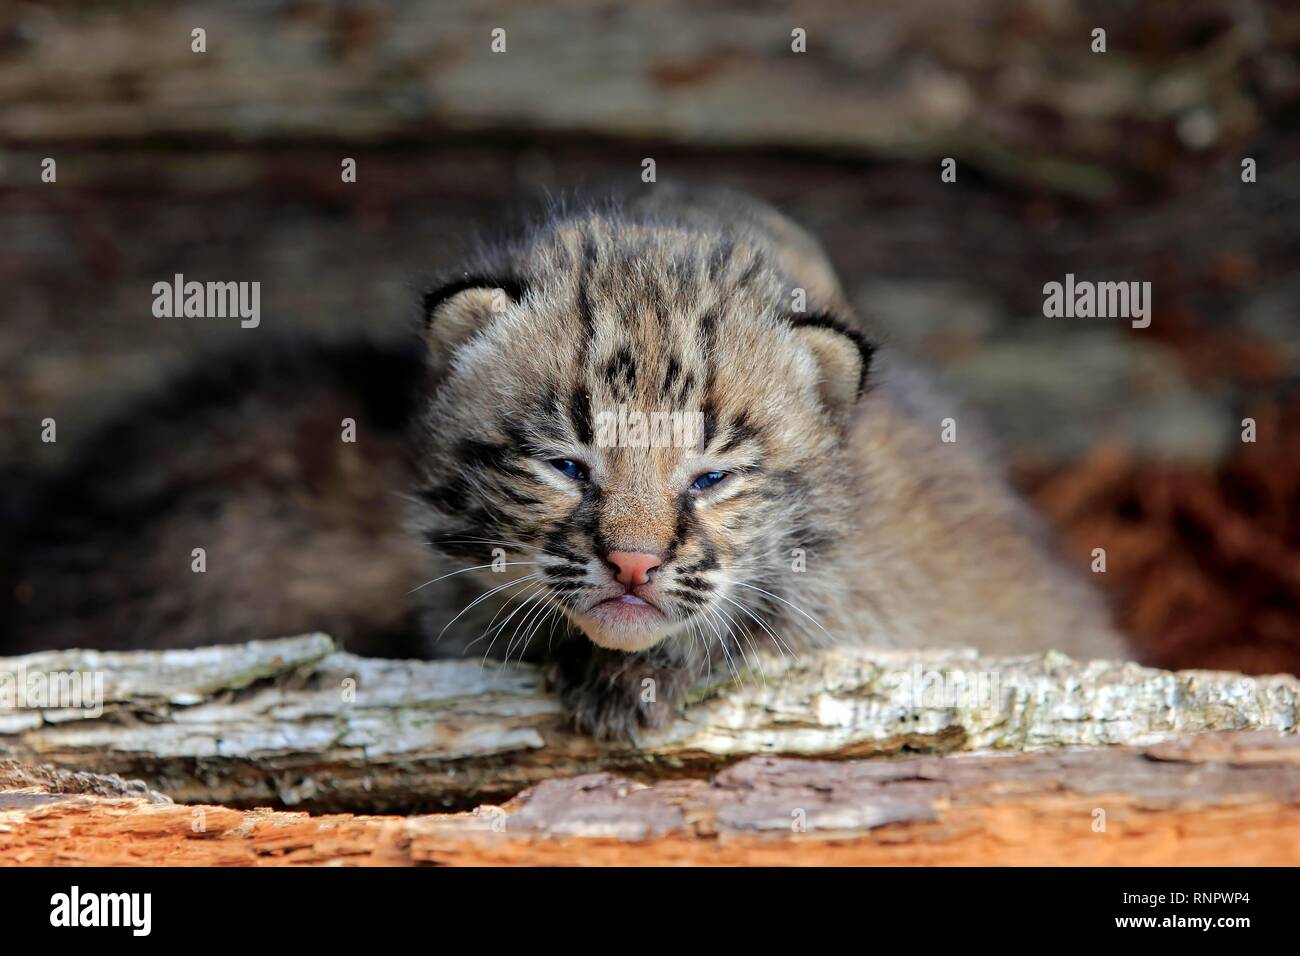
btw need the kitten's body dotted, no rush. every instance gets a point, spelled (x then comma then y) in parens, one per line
(841, 516)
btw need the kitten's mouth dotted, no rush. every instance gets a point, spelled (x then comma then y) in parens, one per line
(627, 608)
(624, 622)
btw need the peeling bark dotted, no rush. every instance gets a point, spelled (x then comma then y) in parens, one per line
(297, 723)
(1224, 800)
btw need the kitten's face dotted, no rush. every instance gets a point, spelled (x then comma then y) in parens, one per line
(643, 394)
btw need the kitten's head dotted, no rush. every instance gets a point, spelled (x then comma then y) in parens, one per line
(635, 416)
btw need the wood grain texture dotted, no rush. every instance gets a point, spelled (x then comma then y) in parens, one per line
(294, 722)
(1225, 800)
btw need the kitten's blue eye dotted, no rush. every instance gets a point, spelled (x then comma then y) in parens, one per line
(707, 480)
(571, 468)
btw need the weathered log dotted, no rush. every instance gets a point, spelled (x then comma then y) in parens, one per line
(1223, 800)
(1015, 89)
(298, 723)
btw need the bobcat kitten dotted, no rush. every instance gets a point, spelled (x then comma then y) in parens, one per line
(802, 496)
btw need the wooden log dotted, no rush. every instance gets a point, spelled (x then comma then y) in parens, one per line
(1014, 89)
(1223, 800)
(295, 722)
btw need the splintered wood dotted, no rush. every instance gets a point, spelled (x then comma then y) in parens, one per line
(296, 723)
(1033, 760)
(1221, 799)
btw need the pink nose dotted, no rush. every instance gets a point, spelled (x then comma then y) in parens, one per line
(634, 567)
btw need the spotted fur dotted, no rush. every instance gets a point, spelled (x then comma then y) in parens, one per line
(842, 518)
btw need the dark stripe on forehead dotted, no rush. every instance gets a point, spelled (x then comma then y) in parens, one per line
(751, 271)
(687, 383)
(621, 371)
(709, 408)
(586, 314)
(670, 376)
(710, 414)
(720, 258)
(589, 254)
(741, 431)
(546, 418)
(707, 329)
(580, 414)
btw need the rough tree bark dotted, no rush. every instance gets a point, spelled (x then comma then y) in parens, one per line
(1217, 799)
(298, 723)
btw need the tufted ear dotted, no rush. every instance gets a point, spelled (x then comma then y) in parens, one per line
(843, 357)
(454, 312)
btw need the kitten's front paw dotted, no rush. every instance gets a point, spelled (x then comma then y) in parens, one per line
(612, 695)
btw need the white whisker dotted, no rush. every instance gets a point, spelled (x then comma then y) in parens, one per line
(481, 598)
(479, 567)
(780, 645)
(782, 600)
(527, 599)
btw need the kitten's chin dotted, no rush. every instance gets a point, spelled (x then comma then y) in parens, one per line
(620, 626)
(623, 641)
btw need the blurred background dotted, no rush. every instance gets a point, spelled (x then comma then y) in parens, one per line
(1117, 166)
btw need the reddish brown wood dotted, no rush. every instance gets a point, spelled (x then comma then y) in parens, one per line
(1223, 800)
